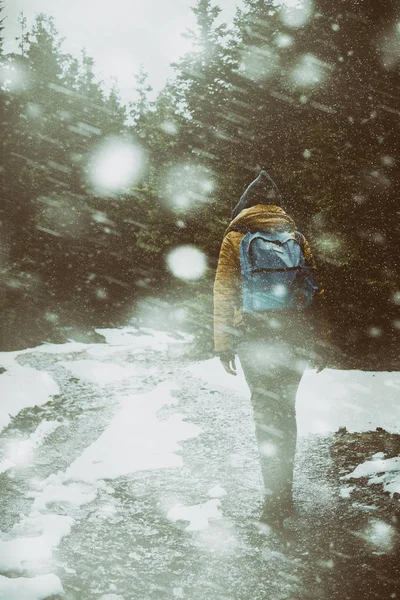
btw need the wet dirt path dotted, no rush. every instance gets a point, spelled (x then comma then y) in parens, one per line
(187, 531)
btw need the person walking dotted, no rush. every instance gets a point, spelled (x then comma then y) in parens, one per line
(263, 314)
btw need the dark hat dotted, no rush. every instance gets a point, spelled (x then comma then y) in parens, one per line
(262, 190)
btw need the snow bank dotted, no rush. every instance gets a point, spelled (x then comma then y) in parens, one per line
(357, 400)
(30, 588)
(21, 387)
(378, 470)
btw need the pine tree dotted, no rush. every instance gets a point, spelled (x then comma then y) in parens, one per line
(116, 111)
(1, 28)
(23, 38)
(87, 82)
(140, 107)
(44, 51)
(203, 74)
(71, 73)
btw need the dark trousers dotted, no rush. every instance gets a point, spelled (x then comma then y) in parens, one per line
(273, 369)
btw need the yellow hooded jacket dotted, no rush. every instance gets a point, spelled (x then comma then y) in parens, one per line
(228, 318)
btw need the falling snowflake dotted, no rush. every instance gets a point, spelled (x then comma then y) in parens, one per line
(187, 262)
(116, 164)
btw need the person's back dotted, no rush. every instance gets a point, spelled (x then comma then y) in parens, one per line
(273, 345)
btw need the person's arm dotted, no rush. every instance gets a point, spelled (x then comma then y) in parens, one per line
(226, 296)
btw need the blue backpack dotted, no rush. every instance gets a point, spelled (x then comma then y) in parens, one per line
(274, 273)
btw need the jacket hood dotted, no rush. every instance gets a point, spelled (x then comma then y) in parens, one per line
(262, 217)
(262, 190)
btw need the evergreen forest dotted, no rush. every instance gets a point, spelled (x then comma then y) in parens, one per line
(310, 95)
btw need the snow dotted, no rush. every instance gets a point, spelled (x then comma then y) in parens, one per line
(257, 63)
(57, 493)
(216, 492)
(67, 348)
(283, 40)
(187, 262)
(357, 400)
(31, 551)
(296, 14)
(380, 535)
(20, 452)
(43, 430)
(5, 465)
(21, 387)
(188, 186)
(8, 359)
(98, 372)
(30, 588)
(268, 449)
(104, 350)
(139, 340)
(308, 72)
(214, 376)
(197, 515)
(346, 490)
(115, 164)
(13, 77)
(136, 439)
(380, 471)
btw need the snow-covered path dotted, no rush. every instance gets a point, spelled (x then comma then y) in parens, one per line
(129, 473)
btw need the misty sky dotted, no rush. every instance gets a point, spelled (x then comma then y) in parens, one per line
(120, 35)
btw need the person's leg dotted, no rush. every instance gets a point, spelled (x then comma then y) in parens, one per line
(273, 375)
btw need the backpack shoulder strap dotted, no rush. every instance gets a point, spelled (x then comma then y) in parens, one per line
(299, 239)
